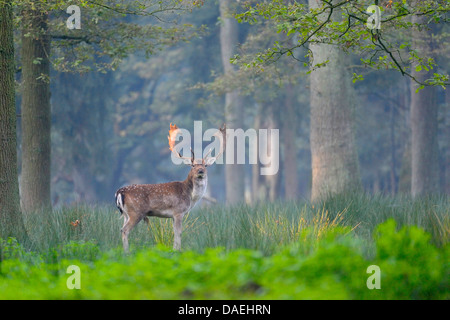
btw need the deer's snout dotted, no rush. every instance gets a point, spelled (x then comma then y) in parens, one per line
(201, 171)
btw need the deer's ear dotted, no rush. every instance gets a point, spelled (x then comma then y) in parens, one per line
(210, 161)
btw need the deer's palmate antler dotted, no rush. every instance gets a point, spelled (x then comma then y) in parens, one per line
(167, 200)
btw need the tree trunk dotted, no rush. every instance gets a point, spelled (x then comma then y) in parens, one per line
(265, 187)
(11, 223)
(290, 150)
(234, 112)
(447, 149)
(258, 188)
(36, 118)
(273, 180)
(424, 112)
(271, 122)
(333, 152)
(393, 174)
(404, 181)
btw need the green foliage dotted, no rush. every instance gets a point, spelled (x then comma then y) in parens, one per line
(335, 268)
(344, 24)
(110, 30)
(11, 249)
(409, 260)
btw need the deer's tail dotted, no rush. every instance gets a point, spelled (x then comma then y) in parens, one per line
(119, 201)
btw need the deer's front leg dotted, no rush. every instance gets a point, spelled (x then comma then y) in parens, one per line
(177, 226)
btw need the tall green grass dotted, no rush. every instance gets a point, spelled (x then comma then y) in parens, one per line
(263, 226)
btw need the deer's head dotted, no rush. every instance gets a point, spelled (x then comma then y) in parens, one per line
(198, 166)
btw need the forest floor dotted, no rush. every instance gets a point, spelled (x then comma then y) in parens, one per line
(342, 248)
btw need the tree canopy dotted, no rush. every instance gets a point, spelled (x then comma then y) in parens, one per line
(386, 45)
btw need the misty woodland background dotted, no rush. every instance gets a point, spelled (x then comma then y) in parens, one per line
(117, 83)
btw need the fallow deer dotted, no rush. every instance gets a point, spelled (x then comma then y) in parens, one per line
(167, 200)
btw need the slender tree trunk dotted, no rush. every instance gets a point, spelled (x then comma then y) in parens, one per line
(447, 152)
(333, 152)
(404, 181)
(404, 176)
(258, 187)
(234, 112)
(290, 150)
(11, 223)
(36, 116)
(424, 113)
(265, 187)
(393, 174)
(271, 122)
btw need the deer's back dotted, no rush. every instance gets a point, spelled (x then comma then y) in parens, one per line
(161, 200)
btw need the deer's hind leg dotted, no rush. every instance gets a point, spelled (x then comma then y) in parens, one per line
(130, 221)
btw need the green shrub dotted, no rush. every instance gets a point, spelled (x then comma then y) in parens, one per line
(330, 267)
(411, 267)
(11, 249)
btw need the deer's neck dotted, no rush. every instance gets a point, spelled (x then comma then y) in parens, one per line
(196, 188)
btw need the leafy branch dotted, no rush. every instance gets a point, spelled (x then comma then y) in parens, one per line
(343, 24)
